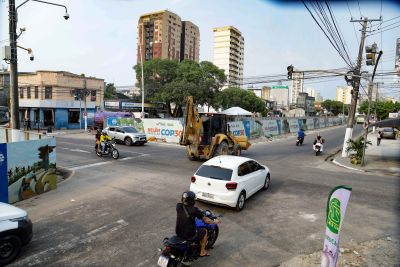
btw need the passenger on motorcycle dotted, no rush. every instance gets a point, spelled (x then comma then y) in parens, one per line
(186, 223)
(319, 140)
(103, 138)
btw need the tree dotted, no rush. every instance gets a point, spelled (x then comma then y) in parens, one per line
(110, 91)
(237, 97)
(171, 82)
(356, 146)
(335, 107)
(381, 108)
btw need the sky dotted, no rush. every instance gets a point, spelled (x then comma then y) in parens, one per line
(100, 37)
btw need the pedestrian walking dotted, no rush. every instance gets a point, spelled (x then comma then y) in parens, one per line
(379, 136)
(29, 124)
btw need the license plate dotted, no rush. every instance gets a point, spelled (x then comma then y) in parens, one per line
(208, 195)
(163, 261)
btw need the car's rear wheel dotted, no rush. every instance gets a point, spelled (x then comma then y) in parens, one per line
(241, 200)
(10, 246)
(267, 181)
(128, 141)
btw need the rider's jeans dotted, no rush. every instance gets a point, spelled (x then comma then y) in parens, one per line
(103, 147)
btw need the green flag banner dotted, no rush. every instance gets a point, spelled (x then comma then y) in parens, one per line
(335, 212)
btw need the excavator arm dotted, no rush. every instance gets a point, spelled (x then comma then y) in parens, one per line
(192, 126)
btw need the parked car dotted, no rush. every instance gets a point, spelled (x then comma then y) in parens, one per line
(389, 133)
(127, 135)
(229, 180)
(15, 231)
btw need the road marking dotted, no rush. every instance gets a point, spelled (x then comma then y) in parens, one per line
(89, 165)
(138, 156)
(37, 259)
(79, 150)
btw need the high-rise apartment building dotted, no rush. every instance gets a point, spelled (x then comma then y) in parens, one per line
(160, 36)
(229, 53)
(297, 85)
(190, 41)
(310, 92)
(343, 94)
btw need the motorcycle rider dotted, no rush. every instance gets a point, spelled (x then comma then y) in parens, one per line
(300, 136)
(319, 140)
(186, 223)
(103, 139)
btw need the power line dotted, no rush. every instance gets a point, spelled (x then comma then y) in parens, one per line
(359, 8)
(354, 27)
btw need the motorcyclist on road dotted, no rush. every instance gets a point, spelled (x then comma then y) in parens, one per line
(186, 223)
(300, 136)
(103, 139)
(319, 140)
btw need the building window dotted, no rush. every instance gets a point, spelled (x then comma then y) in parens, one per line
(21, 92)
(36, 92)
(28, 92)
(48, 92)
(93, 95)
(73, 116)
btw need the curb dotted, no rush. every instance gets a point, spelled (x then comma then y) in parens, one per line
(347, 167)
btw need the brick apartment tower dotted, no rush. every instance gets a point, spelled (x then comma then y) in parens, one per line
(163, 35)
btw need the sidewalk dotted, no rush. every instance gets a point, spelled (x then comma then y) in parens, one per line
(382, 159)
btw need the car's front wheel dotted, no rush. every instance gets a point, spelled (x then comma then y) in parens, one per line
(267, 181)
(10, 246)
(240, 201)
(128, 141)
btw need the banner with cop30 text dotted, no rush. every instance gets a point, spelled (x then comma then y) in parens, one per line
(335, 212)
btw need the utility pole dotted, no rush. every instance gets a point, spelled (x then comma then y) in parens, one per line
(85, 95)
(356, 85)
(370, 90)
(14, 100)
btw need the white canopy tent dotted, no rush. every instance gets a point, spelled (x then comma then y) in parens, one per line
(236, 111)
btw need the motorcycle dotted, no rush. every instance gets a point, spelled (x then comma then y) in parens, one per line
(317, 148)
(181, 252)
(110, 149)
(299, 141)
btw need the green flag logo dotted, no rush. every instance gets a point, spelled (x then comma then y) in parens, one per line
(333, 218)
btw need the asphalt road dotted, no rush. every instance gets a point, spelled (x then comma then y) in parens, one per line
(116, 212)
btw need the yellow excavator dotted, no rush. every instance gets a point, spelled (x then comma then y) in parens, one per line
(207, 135)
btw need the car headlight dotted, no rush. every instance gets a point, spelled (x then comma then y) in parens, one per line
(25, 218)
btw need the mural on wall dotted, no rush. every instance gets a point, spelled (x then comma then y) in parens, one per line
(3, 173)
(293, 125)
(253, 128)
(285, 126)
(310, 124)
(303, 124)
(121, 121)
(316, 123)
(31, 168)
(270, 127)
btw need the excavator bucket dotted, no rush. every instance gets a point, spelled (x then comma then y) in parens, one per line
(243, 142)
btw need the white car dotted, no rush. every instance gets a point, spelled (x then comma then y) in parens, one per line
(127, 135)
(15, 231)
(229, 180)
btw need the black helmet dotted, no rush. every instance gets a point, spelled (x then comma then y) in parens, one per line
(188, 198)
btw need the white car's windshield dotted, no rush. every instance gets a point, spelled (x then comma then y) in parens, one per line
(215, 172)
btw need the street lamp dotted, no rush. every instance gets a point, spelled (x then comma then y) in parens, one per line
(141, 66)
(14, 101)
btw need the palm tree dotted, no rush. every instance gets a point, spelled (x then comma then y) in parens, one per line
(357, 147)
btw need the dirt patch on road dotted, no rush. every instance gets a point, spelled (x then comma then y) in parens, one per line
(381, 252)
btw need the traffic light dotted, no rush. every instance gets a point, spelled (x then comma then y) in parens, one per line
(371, 54)
(290, 72)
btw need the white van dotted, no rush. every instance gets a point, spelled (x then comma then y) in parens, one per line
(15, 231)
